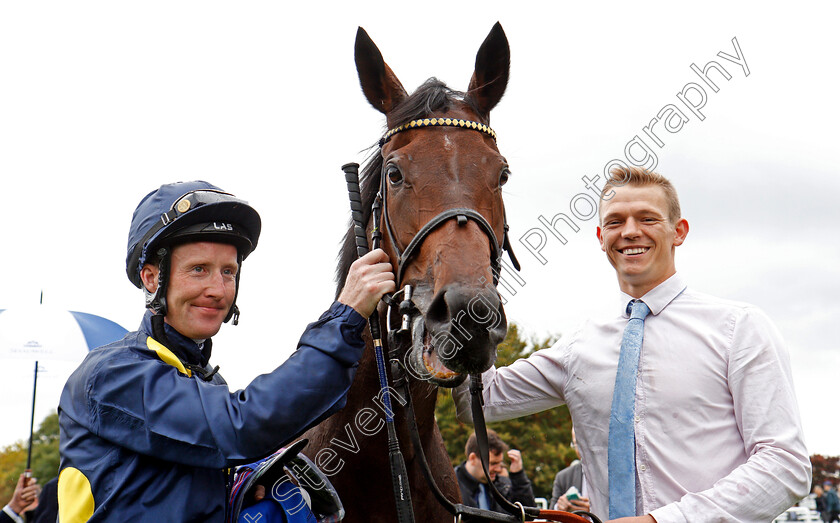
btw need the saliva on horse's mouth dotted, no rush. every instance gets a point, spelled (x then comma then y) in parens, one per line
(424, 361)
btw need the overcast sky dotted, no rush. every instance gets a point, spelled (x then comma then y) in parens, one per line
(101, 102)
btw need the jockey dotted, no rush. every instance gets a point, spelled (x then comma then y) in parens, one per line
(148, 426)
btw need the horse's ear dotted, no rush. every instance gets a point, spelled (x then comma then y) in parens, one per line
(492, 69)
(379, 83)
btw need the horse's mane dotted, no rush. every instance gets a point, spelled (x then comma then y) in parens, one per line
(432, 96)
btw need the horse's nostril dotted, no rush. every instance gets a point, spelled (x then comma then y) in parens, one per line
(466, 312)
(438, 313)
(464, 325)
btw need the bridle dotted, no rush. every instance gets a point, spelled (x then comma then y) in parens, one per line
(379, 211)
(399, 380)
(462, 215)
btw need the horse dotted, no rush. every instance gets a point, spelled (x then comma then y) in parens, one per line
(442, 216)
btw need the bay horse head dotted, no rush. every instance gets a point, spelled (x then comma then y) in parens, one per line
(434, 190)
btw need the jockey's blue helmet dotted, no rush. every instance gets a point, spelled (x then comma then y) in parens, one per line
(184, 212)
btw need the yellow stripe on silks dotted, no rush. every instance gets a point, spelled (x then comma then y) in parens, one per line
(75, 499)
(167, 356)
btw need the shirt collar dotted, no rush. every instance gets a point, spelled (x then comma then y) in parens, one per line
(657, 298)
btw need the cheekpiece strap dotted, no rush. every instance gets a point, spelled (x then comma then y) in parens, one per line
(439, 122)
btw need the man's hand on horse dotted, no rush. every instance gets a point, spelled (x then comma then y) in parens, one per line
(369, 278)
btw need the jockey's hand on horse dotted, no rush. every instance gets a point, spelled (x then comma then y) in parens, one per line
(369, 278)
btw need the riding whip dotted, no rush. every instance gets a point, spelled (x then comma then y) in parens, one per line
(399, 473)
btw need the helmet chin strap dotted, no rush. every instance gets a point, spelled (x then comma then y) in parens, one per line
(157, 300)
(233, 312)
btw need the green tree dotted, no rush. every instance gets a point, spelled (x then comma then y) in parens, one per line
(543, 438)
(824, 468)
(45, 457)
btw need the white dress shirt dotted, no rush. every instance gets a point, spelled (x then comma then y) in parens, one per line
(718, 434)
(11, 513)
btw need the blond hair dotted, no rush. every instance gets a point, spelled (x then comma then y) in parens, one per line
(638, 177)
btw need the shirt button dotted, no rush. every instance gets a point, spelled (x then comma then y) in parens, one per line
(637, 418)
(642, 468)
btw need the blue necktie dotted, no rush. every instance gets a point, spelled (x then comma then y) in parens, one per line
(621, 453)
(483, 502)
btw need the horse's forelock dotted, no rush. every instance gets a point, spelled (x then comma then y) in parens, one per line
(431, 97)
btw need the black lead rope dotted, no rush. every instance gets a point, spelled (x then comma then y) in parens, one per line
(477, 404)
(462, 512)
(477, 407)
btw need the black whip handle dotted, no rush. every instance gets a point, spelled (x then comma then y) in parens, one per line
(399, 473)
(351, 176)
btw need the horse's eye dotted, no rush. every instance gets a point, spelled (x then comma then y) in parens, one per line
(394, 174)
(503, 177)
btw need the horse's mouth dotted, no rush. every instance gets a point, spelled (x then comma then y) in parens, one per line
(424, 362)
(433, 365)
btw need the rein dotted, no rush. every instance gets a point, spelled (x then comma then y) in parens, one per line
(399, 474)
(461, 513)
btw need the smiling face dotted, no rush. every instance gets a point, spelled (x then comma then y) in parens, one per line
(202, 287)
(639, 237)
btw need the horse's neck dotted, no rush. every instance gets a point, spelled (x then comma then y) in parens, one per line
(365, 395)
(356, 447)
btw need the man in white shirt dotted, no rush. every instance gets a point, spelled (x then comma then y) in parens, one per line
(716, 423)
